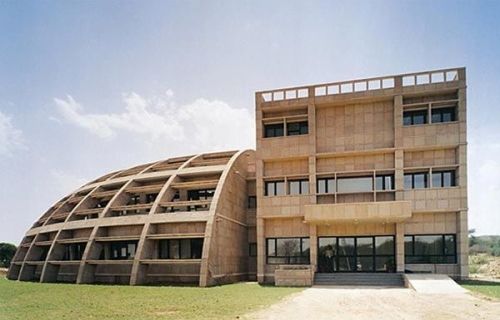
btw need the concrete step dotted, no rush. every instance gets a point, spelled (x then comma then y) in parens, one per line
(359, 279)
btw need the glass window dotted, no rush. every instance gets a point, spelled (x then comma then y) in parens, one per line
(275, 188)
(362, 184)
(416, 180)
(74, 251)
(408, 245)
(273, 130)
(123, 250)
(443, 179)
(296, 128)
(364, 246)
(271, 247)
(196, 248)
(346, 246)
(151, 197)
(326, 185)
(298, 187)
(443, 114)
(252, 202)
(181, 248)
(185, 248)
(384, 182)
(414, 117)
(384, 245)
(430, 249)
(287, 250)
(174, 249)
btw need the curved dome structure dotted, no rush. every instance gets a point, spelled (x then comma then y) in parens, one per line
(180, 220)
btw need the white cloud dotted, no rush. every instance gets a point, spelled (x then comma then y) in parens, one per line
(11, 138)
(484, 181)
(202, 125)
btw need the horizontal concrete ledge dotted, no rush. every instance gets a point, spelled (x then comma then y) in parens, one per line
(384, 211)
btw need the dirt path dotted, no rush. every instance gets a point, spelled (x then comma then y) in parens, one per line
(340, 303)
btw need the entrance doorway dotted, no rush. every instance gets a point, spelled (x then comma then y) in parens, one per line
(356, 254)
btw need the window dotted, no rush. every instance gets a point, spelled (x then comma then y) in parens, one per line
(414, 117)
(326, 185)
(252, 249)
(349, 185)
(443, 114)
(296, 128)
(181, 248)
(252, 202)
(273, 130)
(298, 187)
(430, 249)
(102, 203)
(151, 197)
(443, 179)
(135, 199)
(384, 182)
(287, 250)
(74, 251)
(417, 180)
(275, 188)
(123, 250)
(202, 194)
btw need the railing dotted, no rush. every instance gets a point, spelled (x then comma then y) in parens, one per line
(363, 85)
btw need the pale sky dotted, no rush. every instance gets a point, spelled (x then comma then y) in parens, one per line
(87, 87)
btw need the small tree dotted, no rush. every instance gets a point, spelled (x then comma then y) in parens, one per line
(7, 251)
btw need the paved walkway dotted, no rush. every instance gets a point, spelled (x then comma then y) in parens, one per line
(386, 303)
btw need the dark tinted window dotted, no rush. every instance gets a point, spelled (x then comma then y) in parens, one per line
(273, 130)
(181, 248)
(287, 250)
(414, 117)
(252, 202)
(296, 128)
(443, 114)
(430, 249)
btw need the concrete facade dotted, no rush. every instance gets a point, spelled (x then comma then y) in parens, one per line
(362, 129)
(379, 163)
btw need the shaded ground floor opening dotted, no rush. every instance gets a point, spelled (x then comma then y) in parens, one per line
(356, 254)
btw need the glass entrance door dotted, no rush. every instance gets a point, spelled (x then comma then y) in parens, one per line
(356, 254)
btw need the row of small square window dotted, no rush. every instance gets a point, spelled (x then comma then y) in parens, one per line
(440, 179)
(439, 115)
(292, 129)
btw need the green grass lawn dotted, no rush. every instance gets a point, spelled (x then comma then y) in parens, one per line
(25, 300)
(488, 288)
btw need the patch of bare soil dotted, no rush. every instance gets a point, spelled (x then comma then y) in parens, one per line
(3, 272)
(339, 303)
(484, 266)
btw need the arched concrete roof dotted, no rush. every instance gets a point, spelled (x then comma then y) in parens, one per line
(82, 210)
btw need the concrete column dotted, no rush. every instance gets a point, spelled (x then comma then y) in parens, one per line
(261, 251)
(463, 244)
(400, 247)
(313, 246)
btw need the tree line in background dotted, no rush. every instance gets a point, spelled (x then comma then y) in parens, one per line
(484, 244)
(7, 251)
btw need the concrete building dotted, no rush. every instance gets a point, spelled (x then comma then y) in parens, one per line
(362, 176)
